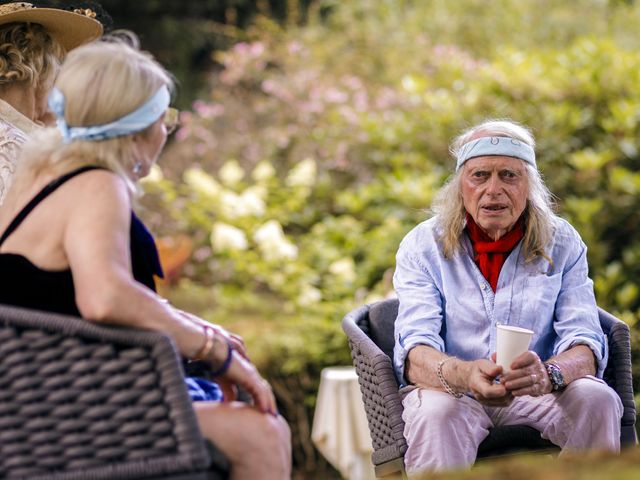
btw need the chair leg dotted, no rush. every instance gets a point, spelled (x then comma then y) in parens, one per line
(393, 469)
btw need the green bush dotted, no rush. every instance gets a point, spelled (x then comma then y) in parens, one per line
(322, 146)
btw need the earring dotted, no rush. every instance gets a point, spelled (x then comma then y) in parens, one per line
(137, 168)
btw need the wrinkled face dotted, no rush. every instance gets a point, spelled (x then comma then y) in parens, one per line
(494, 192)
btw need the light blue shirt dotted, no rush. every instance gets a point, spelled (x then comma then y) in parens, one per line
(447, 304)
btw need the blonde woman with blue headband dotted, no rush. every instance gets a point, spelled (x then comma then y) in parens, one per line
(70, 242)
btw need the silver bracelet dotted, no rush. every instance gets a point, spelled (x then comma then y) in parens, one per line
(444, 383)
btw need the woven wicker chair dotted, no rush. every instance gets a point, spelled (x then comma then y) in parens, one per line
(85, 401)
(370, 333)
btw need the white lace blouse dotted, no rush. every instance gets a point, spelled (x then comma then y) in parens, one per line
(15, 129)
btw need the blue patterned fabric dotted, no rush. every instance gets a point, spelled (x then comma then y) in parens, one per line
(202, 390)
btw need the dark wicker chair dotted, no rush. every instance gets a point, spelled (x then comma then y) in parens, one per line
(371, 339)
(83, 401)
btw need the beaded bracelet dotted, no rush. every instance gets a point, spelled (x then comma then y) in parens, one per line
(210, 335)
(444, 383)
(225, 365)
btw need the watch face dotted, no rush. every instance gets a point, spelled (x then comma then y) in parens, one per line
(555, 375)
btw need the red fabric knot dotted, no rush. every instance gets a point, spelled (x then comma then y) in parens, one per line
(491, 254)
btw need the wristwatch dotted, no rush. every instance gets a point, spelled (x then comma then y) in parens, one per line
(555, 375)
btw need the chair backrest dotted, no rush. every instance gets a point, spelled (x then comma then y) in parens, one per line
(79, 400)
(617, 373)
(382, 318)
(378, 384)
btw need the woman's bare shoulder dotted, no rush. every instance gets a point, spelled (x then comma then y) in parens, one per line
(92, 188)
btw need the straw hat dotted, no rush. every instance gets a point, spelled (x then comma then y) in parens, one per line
(69, 28)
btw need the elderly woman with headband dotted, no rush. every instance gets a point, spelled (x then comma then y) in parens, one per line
(496, 253)
(33, 42)
(71, 243)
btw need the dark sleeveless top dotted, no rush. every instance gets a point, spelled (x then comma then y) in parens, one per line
(25, 285)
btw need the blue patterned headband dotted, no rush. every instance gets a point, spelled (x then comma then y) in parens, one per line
(133, 122)
(503, 146)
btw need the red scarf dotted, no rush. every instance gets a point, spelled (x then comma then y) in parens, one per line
(490, 254)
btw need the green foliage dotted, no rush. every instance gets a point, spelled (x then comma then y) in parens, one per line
(320, 147)
(540, 466)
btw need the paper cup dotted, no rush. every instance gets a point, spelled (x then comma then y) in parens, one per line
(511, 342)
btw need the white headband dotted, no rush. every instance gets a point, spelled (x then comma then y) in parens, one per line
(502, 146)
(133, 122)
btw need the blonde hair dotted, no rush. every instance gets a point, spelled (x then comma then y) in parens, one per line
(101, 82)
(538, 215)
(28, 54)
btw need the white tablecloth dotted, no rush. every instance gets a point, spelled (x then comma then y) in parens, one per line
(340, 429)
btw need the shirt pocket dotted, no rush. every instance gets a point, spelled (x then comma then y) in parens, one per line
(539, 297)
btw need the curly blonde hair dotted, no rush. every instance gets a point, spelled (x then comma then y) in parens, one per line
(28, 54)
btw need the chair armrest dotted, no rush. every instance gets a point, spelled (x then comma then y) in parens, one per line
(81, 400)
(617, 373)
(379, 389)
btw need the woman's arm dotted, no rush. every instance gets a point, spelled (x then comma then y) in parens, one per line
(234, 339)
(96, 243)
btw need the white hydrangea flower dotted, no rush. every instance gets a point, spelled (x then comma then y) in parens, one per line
(284, 250)
(253, 201)
(229, 203)
(308, 296)
(225, 238)
(273, 243)
(263, 171)
(269, 232)
(248, 203)
(202, 182)
(231, 173)
(344, 269)
(303, 174)
(409, 84)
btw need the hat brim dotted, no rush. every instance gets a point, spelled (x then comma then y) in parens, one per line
(68, 28)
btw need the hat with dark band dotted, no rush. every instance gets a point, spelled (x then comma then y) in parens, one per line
(69, 28)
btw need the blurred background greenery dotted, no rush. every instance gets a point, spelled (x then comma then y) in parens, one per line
(315, 133)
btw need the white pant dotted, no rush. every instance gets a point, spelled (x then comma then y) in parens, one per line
(444, 432)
